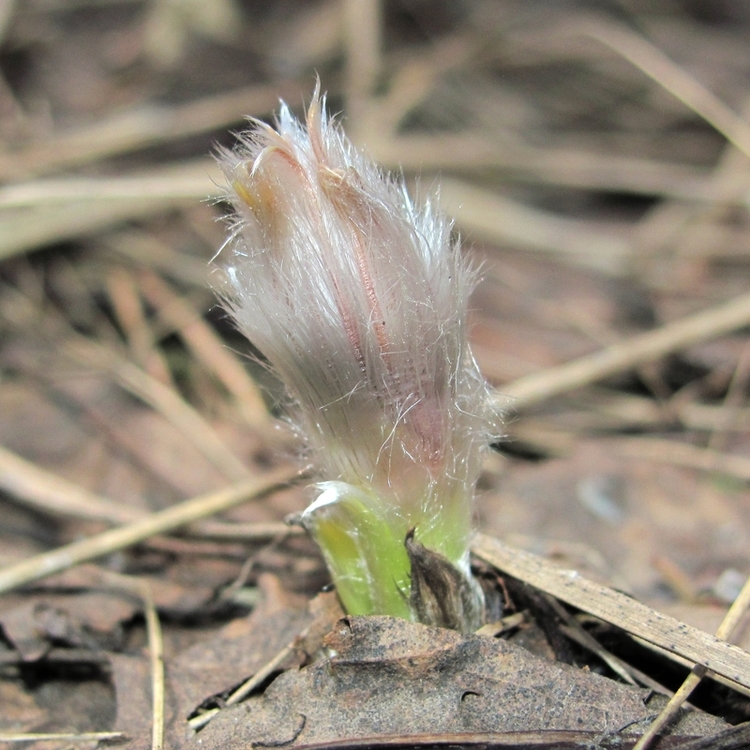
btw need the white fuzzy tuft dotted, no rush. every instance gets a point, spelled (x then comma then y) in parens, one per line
(358, 298)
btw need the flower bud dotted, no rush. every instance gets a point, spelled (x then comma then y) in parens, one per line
(358, 299)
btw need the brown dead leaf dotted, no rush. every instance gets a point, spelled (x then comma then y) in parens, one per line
(20, 711)
(170, 596)
(391, 677)
(88, 620)
(214, 666)
(326, 611)
(624, 509)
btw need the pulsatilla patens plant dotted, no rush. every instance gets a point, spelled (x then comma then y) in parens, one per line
(358, 299)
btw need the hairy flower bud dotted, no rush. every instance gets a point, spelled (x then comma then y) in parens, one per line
(358, 299)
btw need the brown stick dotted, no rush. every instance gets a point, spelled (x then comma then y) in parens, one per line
(698, 647)
(125, 536)
(716, 321)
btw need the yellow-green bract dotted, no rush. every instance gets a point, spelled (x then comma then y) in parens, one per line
(358, 299)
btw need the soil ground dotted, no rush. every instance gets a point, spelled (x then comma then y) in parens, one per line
(595, 159)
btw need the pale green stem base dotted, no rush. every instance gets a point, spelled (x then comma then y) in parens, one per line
(365, 552)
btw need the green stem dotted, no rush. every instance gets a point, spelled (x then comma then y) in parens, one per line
(366, 556)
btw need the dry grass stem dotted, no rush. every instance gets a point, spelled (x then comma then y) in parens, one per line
(683, 454)
(411, 84)
(185, 182)
(572, 628)
(625, 671)
(596, 166)
(54, 495)
(142, 589)
(618, 609)
(637, 410)
(362, 41)
(732, 403)
(156, 657)
(637, 350)
(146, 126)
(163, 522)
(504, 625)
(243, 532)
(27, 229)
(728, 625)
(655, 64)
(131, 317)
(208, 348)
(249, 685)
(82, 737)
(144, 250)
(689, 228)
(548, 165)
(161, 398)
(501, 220)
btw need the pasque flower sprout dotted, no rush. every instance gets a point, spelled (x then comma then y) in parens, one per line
(358, 299)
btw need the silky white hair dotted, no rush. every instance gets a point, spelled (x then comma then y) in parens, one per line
(358, 298)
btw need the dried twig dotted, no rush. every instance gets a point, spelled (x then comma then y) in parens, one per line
(249, 685)
(156, 656)
(146, 126)
(50, 493)
(724, 632)
(683, 454)
(618, 609)
(206, 346)
(646, 347)
(86, 737)
(655, 64)
(159, 523)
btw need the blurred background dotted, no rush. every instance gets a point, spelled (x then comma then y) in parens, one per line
(594, 156)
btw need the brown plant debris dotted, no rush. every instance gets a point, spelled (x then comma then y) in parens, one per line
(595, 160)
(391, 677)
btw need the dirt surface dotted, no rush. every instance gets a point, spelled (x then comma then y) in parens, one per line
(595, 158)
